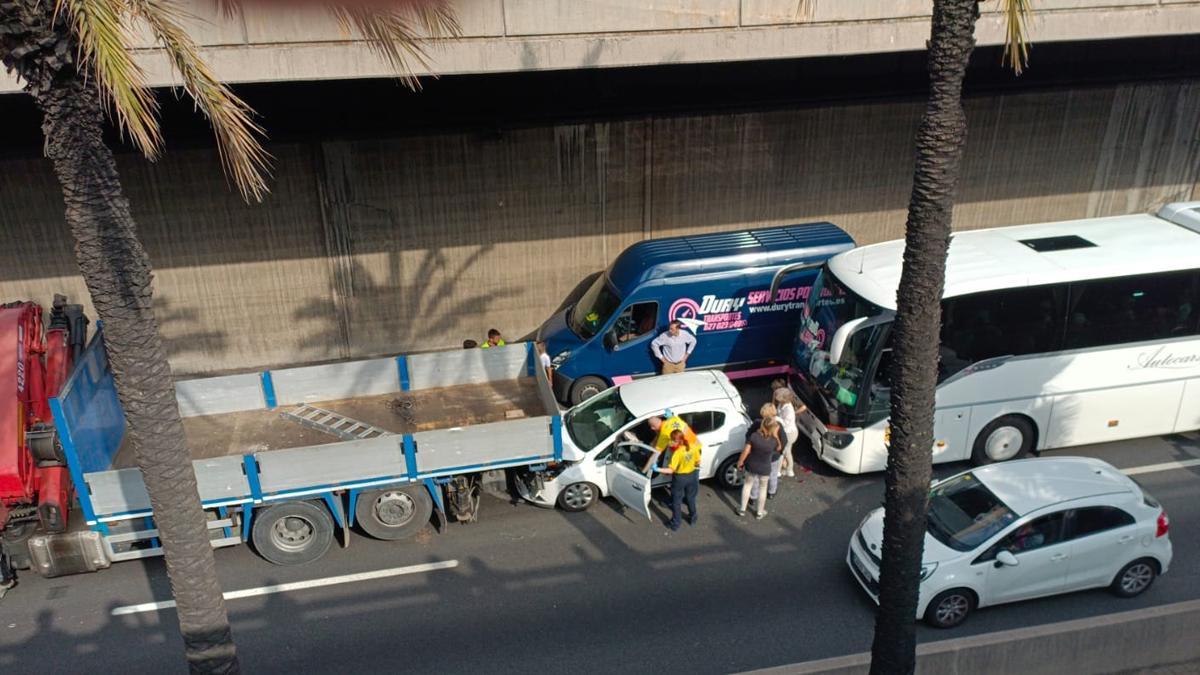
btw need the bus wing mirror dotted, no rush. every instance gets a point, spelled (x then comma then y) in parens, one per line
(841, 337)
(838, 343)
(786, 270)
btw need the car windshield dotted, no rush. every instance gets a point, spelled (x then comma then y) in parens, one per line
(593, 310)
(829, 306)
(597, 418)
(964, 513)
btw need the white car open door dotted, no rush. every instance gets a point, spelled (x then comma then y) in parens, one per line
(627, 481)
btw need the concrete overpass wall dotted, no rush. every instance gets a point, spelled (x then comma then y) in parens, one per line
(383, 245)
(523, 35)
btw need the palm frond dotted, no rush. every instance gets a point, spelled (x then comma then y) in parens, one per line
(242, 155)
(804, 10)
(229, 8)
(393, 32)
(104, 42)
(1016, 42)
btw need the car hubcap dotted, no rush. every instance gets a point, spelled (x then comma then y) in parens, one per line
(953, 609)
(733, 477)
(1004, 443)
(1137, 578)
(578, 496)
(394, 508)
(292, 533)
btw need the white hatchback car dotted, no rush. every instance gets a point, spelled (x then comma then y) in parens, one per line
(1026, 529)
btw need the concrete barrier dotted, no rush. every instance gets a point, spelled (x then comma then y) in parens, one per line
(1132, 641)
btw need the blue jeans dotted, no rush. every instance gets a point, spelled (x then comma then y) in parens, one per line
(684, 488)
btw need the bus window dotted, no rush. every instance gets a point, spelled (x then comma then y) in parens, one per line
(1009, 322)
(1132, 309)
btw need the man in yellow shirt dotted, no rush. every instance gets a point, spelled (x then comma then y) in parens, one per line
(684, 467)
(664, 428)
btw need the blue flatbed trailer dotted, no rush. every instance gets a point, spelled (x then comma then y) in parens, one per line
(364, 442)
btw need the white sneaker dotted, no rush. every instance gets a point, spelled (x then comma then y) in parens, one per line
(760, 516)
(790, 473)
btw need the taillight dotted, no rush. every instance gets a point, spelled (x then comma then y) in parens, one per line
(1164, 524)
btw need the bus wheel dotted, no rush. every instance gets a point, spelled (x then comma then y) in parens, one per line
(586, 387)
(1004, 438)
(394, 513)
(292, 533)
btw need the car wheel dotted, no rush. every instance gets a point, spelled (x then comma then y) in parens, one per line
(578, 496)
(1135, 578)
(394, 513)
(1004, 438)
(728, 475)
(950, 608)
(586, 387)
(292, 533)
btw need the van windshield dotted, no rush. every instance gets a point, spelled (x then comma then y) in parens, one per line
(594, 309)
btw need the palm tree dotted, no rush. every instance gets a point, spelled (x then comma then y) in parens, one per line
(73, 57)
(940, 139)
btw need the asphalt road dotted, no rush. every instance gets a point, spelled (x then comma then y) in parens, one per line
(536, 590)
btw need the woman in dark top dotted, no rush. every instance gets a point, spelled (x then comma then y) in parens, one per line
(762, 447)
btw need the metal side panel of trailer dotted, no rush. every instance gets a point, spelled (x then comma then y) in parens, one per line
(115, 503)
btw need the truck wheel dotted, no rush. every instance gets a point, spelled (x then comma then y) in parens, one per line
(292, 533)
(728, 474)
(394, 513)
(1004, 438)
(586, 387)
(578, 496)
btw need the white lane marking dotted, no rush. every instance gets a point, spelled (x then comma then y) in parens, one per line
(298, 585)
(1165, 466)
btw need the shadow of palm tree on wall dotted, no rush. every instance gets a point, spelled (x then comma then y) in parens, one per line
(364, 317)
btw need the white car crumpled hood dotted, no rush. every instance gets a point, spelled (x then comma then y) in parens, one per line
(872, 530)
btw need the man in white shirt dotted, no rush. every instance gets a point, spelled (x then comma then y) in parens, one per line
(673, 348)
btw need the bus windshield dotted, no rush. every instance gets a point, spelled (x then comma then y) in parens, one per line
(593, 310)
(830, 305)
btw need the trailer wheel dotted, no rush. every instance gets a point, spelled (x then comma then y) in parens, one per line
(394, 513)
(292, 533)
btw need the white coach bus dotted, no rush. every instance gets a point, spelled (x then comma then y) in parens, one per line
(1053, 335)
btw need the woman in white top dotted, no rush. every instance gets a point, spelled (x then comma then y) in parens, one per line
(786, 404)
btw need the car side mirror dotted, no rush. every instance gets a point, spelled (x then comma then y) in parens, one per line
(1006, 559)
(610, 340)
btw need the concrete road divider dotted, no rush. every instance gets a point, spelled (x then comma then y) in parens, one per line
(1132, 641)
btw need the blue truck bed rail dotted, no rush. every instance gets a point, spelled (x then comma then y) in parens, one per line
(114, 502)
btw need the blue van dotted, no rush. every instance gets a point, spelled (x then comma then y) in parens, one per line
(717, 285)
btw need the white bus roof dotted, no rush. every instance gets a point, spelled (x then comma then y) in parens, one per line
(982, 260)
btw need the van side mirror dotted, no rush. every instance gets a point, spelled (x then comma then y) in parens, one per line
(1006, 559)
(610, 340)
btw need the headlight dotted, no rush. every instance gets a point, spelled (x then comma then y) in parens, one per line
(927, 569)
(839, 440)
(560, 357)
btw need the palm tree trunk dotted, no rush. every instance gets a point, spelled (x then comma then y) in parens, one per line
(940, 140)
(42, 51)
